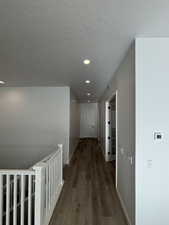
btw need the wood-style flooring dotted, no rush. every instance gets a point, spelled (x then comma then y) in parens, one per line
(88, 196)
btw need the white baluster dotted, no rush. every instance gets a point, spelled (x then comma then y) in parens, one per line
(7, 199)
(15, 201)
(39, 194)
(47, 189)
(1, 199)
(22, 198)
(49, 186)
(30, 200)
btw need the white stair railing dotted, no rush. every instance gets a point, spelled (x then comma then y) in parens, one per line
(48, 186)
(28, 197)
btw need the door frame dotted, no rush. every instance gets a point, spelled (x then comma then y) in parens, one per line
(107, 131)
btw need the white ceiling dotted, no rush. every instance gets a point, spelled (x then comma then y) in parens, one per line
(43, 42)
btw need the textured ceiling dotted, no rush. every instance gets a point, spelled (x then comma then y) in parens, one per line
(43, 42)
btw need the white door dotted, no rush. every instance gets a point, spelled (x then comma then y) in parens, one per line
(88, 120)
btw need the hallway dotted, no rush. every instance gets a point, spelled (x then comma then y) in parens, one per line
(88, 196)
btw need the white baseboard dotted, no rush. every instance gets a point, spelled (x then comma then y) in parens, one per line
(70, 158)
(123, 207)
(101, 148)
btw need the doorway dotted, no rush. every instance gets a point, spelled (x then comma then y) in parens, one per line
(111, 134)
(88, 120)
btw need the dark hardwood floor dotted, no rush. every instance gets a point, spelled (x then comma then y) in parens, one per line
(88, 196)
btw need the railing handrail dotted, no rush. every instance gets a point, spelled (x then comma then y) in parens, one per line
(49, 157)
(42, 182)
(17, 172)
(30, 171)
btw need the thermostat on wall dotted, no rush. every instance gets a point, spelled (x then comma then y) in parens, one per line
(158, 136)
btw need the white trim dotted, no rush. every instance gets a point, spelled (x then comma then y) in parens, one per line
(17, 172)
(117, 150)
(107, 158)
(70, 158)
(123, 208)
(106, 130)
(102, 150)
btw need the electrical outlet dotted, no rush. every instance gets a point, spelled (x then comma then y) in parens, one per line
(122, 150)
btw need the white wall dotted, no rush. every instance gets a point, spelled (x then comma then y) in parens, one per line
(74, 124)
(152, 115)
(123, 83)
(33, 120)
(88, 120)
(142, 82)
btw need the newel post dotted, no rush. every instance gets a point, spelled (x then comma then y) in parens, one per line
(39, 193)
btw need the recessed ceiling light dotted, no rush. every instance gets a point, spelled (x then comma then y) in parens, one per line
(87, 81)
(2, 82)
(86, 61)
(88, 94)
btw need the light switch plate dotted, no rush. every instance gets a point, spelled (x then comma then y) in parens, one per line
(149, 163)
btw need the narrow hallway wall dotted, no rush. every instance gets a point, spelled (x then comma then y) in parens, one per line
(123, 82)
